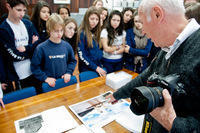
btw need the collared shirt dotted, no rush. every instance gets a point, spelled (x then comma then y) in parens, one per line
(191, 27)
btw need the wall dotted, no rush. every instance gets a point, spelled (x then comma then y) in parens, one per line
(2, 7)
(73, 6)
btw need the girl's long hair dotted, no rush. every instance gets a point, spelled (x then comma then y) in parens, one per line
(35, 18)
(85, 27)
(95, 2)
(63, 6)
(111, 31)
(74, 40)
(101, 9)
(130, 22)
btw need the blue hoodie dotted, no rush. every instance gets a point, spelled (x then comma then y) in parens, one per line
(89, 58)
(52, 60)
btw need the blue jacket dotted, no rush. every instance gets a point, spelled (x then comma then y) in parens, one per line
(8, 50)
(89, 58)
(52, 60)
(43, 35)
(129, 58)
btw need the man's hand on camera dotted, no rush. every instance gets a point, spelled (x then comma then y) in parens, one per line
(166, 114)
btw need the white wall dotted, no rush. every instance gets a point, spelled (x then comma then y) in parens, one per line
(120, 4)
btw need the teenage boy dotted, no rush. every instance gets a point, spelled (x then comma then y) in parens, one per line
(17, 37)
(53, 58)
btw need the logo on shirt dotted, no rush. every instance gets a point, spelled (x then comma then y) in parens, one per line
(56, 56)
(21, 41)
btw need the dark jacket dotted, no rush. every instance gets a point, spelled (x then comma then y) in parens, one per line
(185, 62)
(89, 58)
(8, 50)
(43, 35)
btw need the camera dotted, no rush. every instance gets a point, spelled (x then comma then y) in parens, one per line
(146, 98)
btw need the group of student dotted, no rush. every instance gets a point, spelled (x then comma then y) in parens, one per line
(43, 48)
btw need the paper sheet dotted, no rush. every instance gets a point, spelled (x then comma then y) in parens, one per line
(97, 112)
(54, 120)
(130, 121)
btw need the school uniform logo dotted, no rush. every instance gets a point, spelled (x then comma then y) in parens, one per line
(57, 56)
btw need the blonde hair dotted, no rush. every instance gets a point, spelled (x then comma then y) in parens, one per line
(85, 27)
(95, 2)
(53, 20)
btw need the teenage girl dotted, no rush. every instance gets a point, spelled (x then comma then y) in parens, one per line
(39, 17)
(63, 11)
(98, 3)
(113, 41)
(128, 18)
(138, 47)
(70, 33)
(89, 48)
(104, 16)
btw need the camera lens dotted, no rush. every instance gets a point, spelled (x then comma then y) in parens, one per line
(144, 99)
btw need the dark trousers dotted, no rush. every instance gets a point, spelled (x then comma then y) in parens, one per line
(20, 84)
(31, 81)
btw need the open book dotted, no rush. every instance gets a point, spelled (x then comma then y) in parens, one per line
(55, 120)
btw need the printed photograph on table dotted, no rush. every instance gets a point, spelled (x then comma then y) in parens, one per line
(54, 120)
(97, 112)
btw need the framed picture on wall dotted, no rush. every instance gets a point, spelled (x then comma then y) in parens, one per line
(61, 1)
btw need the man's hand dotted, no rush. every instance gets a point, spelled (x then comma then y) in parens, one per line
(51, 81)
(101, 71)
(21, 49)
(166, 114)
(66, 77)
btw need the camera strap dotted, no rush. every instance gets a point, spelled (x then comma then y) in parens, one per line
(147, 125)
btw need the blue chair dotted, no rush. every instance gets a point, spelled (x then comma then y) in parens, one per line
(19, 94)
(87, 75)
(59, 84)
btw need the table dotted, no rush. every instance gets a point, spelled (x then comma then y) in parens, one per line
(65, 96)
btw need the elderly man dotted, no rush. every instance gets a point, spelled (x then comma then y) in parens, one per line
(165, 23)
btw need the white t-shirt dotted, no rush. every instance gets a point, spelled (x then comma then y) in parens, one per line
(118, 41)
(21, 39)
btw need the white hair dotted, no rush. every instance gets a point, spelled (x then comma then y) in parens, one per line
(169, 6)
